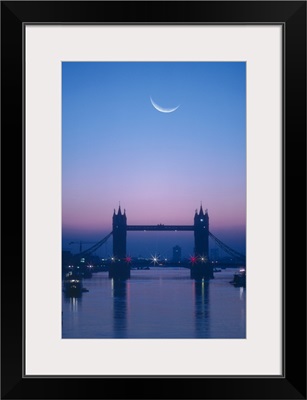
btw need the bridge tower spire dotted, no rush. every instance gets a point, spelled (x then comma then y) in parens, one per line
(202, 268)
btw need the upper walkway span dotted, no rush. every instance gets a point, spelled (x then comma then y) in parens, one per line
(160, 227)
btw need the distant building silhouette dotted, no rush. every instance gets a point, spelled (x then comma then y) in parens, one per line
(67, 257)
(177, 253)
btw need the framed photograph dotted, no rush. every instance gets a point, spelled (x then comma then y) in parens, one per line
(159, 200)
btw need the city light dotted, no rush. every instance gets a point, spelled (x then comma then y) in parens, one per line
(155, 259)
(193, 259)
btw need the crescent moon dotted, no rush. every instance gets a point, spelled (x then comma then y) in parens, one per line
(162, 109)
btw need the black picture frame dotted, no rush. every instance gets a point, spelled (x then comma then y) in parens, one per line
(292, 16)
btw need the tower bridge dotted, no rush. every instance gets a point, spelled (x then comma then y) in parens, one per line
(199, 269)
(200, 265)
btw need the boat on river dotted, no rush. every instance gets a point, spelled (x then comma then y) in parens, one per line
(239, 278)
(73, 286)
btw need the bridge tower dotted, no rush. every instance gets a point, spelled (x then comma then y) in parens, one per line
(119, 269)
(202, 268)
(201, 233)
(119, 234)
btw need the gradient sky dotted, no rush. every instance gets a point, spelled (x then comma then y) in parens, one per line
(116, 147)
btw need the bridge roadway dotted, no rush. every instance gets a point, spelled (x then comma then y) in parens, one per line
(160, 227)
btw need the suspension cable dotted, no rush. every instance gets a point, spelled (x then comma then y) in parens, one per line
(95, 246)
(226, 248)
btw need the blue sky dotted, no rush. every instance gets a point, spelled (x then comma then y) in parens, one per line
(116, 147)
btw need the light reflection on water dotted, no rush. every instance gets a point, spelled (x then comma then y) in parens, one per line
(157, 303)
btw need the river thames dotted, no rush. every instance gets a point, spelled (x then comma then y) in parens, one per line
(160, 303)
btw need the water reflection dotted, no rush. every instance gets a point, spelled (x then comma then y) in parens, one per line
(202, 312)
(74, 306)
(120, 299)
(74, 303)
(157, 304)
